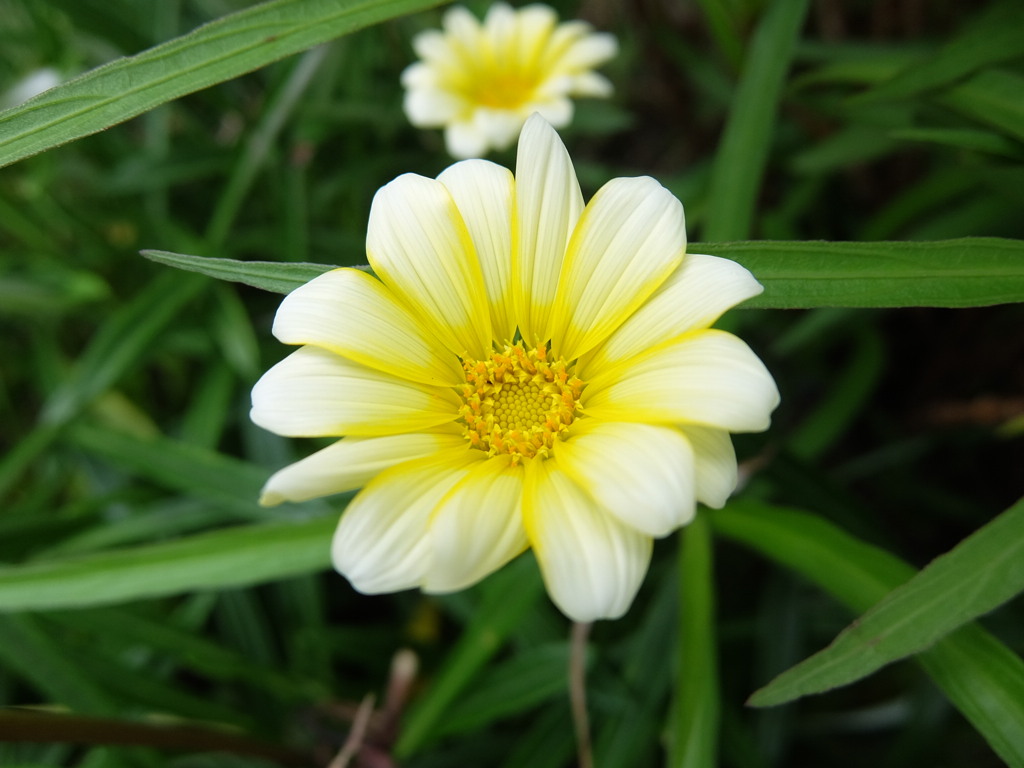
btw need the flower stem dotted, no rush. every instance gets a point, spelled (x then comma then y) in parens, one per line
(578, 692)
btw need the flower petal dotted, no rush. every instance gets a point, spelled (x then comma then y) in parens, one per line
(500, 126)
(585, 52)
(315, 393)
(432, 46)
(548, 202)
(477, 527)
(557, 110)
(419, 246)
(431, 107)
(592, 563)
(715, 464)
(591, 84)
(352, 314)
(462, 27)
(464, 139)
(642, 474)
(351, 463)
(483, 193)
(381, 543)
(708, 377)
(694, 296)
(631, 237)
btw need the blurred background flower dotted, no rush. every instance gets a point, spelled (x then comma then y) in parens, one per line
(481, 81)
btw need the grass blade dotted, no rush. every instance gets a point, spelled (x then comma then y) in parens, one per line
(694, 726)
(981, 573)
(993, 37)
(524, 682)
(24, 646)
(991, 97)
(979, 675)
(119, 345)
(213, 53)
(968, 272)
(227, 558)
(276, 277)
(743, 149)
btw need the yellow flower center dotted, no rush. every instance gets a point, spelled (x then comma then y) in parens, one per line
(518, 402)
(499, 89)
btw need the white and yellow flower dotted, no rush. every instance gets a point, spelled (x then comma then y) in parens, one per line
(480, 82)
(523, 371)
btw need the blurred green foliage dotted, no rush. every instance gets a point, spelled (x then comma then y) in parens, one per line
(148, 594)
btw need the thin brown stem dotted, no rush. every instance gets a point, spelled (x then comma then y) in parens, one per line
(354, 742)
(578, 692)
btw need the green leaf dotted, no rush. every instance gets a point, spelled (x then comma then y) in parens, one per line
(993, 37)
(963, 138)
(968, 272)
(855, 63)
(723, 25)
(25, 647)
(529, 678)
(985, 680)
(975, 271)
(118, 346)
(743, 150)
(855, 143)
(122, 628)
(232, 557)
(277, 277)
(629, 733)
(281, 104)
(693, 740)
(979, 675)
(982, 572)
(231, 484)
(992, 98)
(213, 53)
(546, 743)
(851, 390)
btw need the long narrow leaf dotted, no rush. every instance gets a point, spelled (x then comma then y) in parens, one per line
(213, 53)
(232, 557)
(120, 343)
(981, 573)
(993, 37)
(991, 97)
(694, 725)
(969, 272)
(118, 346)
(743, 151)
(972, 271)
(979, 675)
(277, 277)
(25, 647)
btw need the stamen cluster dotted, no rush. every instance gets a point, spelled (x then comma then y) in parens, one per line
(499, 89)
(517, 401)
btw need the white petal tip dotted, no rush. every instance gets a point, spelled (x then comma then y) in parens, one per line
(271, 499)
